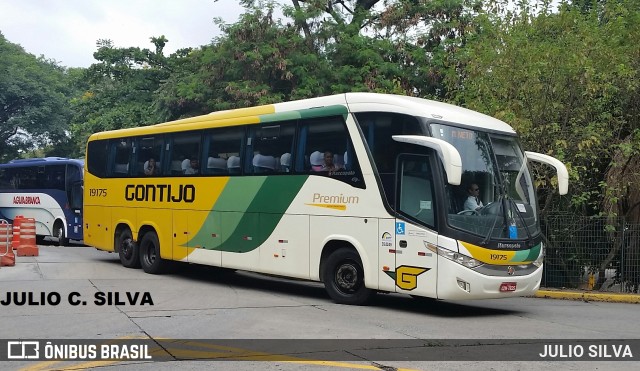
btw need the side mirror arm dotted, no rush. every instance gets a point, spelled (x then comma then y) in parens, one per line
(561, 169)
(448, 154)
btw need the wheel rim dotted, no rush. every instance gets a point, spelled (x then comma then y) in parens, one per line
(150, 253)
(347, 277)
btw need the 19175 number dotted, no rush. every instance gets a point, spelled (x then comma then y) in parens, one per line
(98, 192)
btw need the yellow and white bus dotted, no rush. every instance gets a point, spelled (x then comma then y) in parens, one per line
(364, 192)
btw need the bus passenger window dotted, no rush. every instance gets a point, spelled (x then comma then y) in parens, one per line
(325, 149)
(150, 156)
(185, 154)
(121, 153)
(222, 147)
(269, 143)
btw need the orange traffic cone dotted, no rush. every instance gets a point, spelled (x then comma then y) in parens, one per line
(7, 257)
(15, 242)
(28, 245)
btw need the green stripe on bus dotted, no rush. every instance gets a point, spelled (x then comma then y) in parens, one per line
(283, 116)
(263, 215)
(305, 114)
(245, 227)
(336, 110)
(527, 255)
(238, 193)
(534, 253)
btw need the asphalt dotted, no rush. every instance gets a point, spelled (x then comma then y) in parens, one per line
(546, 293)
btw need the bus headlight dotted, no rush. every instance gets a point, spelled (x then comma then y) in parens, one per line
(461, 259)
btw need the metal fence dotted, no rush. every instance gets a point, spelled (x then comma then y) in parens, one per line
(591, 253)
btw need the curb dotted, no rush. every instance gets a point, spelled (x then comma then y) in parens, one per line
(589, 296)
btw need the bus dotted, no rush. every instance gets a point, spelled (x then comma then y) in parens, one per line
(361, 191)
(48, 190)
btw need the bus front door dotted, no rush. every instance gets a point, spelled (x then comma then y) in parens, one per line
(415, 238)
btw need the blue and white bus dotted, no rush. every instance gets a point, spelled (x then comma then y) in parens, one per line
(46, 189)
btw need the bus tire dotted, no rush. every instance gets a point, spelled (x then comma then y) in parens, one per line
(58, 231)
(128, 250)
(344, 278)
(150, 254)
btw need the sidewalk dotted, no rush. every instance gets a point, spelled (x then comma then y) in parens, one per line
(588, 296)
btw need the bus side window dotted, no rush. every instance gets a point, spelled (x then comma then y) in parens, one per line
(97, 157)
(324, 148)
(149, 148)
(318, 136)
(185, 150)
(269, 143)
(55, 176)
(222, 148)
(121, 152)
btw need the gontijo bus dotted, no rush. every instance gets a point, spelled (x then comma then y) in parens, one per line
(249, 189)
(46, 189)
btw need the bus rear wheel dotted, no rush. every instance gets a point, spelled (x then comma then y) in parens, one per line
(150, 254)
(344, 278)
(128, 250)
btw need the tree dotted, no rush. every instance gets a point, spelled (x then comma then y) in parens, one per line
(118, 91)
(326, 48)
(580, 106)
(34, 109)
(568, 83)
(258, 60)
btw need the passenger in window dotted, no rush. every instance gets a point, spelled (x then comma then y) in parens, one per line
(328, 164)
(151, 167)
(473, 201)
(193, 167)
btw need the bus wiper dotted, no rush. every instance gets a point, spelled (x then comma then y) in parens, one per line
(487, 238)
(529, 240)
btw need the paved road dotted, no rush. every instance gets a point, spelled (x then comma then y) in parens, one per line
(199, 303)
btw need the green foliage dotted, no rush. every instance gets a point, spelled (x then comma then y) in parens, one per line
(567, 81)
(257, 61)
(119, 90)
(34, 107)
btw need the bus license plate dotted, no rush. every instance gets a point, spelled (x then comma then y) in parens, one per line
(508, 286)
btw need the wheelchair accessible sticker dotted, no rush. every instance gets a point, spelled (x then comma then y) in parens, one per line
(399, 227)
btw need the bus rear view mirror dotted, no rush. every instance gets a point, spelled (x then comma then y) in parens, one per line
(448, 154)
(561, 169)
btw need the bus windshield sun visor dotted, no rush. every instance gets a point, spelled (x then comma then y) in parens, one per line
(449, 155)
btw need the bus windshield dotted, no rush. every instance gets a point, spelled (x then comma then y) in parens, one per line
(496, 197)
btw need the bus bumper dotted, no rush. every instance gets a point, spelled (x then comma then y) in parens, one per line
(456, 282)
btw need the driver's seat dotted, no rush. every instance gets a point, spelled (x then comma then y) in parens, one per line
(456, 199)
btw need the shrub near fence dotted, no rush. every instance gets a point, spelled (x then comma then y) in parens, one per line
(593, 253)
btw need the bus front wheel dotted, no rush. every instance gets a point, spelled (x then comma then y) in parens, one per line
(150, 254)
(343, 277)
(128, 250)
(58, 231)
